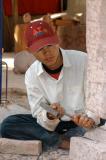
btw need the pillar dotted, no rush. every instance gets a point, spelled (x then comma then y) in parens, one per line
(96, 48)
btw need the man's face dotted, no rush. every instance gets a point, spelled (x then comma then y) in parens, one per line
(48, 55)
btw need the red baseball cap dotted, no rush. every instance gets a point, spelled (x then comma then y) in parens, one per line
(38, 35)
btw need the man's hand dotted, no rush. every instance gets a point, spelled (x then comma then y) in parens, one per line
(83, 121)
(58, 108)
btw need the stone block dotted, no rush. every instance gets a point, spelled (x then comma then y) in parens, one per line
(96, 49)
(84, 149)
(20, 147)
(98, 134)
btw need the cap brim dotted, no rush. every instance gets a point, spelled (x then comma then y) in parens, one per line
(37, 45)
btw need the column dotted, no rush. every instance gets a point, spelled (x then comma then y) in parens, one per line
(96, 48)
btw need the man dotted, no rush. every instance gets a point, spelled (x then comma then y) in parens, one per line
(57, 78)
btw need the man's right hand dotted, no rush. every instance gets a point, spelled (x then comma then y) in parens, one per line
(58, 108)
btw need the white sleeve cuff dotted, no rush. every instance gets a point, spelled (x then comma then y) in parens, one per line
(48, 124)
(94, 117)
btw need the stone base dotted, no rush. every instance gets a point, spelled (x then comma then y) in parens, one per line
(92, 146)
(20, 147)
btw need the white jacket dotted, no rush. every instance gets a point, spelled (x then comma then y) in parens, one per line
(68, 90)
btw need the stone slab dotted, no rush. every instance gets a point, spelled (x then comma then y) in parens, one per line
(21, 147)
(84, 149)
(98, 134)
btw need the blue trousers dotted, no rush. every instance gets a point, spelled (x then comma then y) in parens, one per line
(25, 127)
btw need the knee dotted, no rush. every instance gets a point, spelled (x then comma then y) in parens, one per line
(6, 126)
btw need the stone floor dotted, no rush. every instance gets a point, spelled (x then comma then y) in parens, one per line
(55, 155)
(18, 103)
(49, 155)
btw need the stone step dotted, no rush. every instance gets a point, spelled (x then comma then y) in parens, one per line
(20, 147)
(84, 149)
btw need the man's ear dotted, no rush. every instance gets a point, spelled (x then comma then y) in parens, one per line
(57, 45)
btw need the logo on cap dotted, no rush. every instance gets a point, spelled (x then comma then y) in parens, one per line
(39, 31)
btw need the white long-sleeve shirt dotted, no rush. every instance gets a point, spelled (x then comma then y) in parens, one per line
(68, 90)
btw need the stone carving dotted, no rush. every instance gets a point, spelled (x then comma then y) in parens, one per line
(20, 147)
(96, 48)
(72, 36)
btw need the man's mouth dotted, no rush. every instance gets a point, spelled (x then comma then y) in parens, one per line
(49, 59)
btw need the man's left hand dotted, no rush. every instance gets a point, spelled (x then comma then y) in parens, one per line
(83, 121)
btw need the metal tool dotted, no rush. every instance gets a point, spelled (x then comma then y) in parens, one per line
(56, 114)
(52, 111)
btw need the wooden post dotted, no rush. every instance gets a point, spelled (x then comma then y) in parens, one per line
(15, 11)
(1, 46)
(15, 15)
